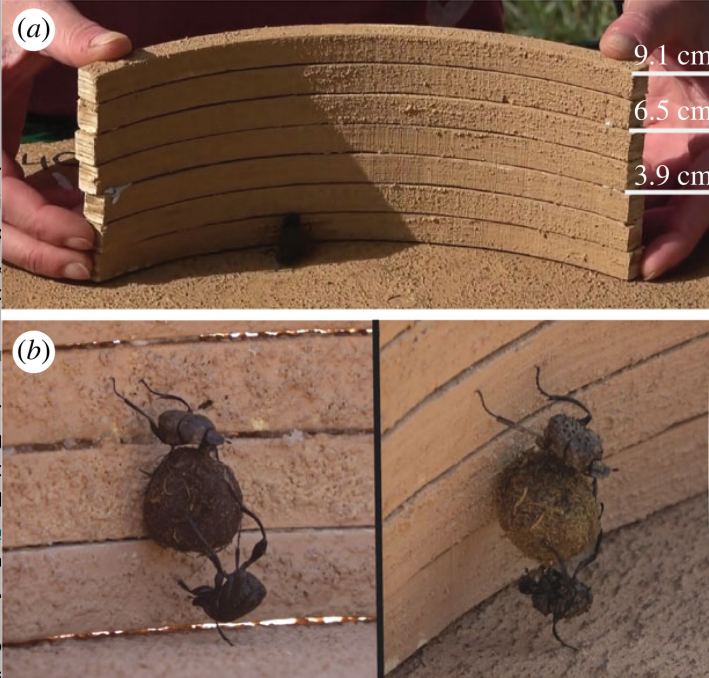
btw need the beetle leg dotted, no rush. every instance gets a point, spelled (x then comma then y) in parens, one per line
(166, 396)
(260, 549)
(589, 559)
(510, 423)
(568, 399)
(210, 551)
(556, 635)
(153, 425)
(559, 559)
(221, 633)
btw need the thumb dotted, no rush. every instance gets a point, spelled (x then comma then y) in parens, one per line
(644, 22)
(79, 41)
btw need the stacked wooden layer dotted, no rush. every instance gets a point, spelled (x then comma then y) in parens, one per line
(298, 411)
(645, 382)
(388, 133)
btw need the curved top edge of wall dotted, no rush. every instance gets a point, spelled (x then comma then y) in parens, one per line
(157, 64)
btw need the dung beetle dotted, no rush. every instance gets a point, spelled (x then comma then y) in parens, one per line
(567, 437)
(233, 594)
(179, 427)
(293, 242)
(557, 593)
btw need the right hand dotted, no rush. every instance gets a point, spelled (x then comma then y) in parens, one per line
(44, 231)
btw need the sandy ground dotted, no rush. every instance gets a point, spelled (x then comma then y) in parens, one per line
(649, 617)
(338, 651)
(361, 275)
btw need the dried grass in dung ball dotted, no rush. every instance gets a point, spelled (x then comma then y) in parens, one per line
(540, 501)
(190, 483)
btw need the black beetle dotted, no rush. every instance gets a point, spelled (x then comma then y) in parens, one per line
(233, 594)
(179, 427)
(557, 593)
(567, 437)
(293, 242)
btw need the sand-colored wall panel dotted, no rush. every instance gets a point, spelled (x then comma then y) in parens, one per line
(373, 109)
(255, 386)
(417, 363)
(570, 360)
(343, 650)
(87, 331)
(241, 50)
(353, 78)
(132, 584)
(403, 229)
(293, 140)
(336, 77)
(97, 494)
(376, 168)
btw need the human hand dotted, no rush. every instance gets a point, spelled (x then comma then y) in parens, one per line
(41, 232)
(673, 225)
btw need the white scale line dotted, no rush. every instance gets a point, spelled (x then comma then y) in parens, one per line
(669, 130)
(674, 74)
(668, 192)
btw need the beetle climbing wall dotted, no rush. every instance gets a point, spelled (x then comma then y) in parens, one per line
(296, 402)
(645, 382)
(389, 133)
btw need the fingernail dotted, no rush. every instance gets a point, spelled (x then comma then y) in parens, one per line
(104, 38)
(78, 244)
(76, 271)
(623, 43)
(651, 276)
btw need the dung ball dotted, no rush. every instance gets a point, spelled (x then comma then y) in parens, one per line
(542, 503)
(189, 483)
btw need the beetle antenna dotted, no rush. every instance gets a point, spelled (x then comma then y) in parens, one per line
(509, 422)
(166, 396)
(568, 399)
(153, 425)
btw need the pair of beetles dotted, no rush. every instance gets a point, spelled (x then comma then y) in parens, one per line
(233, 594)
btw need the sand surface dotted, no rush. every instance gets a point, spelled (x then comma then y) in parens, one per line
(649, 616)
(360, 275)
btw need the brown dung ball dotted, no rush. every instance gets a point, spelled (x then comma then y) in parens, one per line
(189, 483)
(542, 502)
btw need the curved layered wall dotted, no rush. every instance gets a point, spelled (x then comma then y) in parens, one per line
(391, 133)
(443, 548)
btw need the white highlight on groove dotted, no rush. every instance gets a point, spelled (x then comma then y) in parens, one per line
(288, 621)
